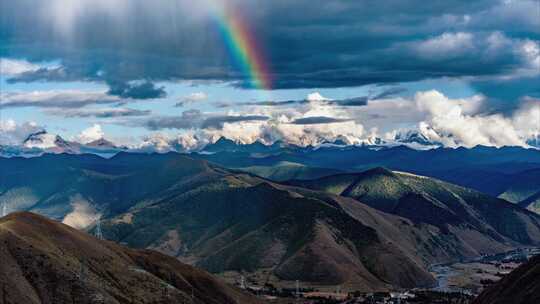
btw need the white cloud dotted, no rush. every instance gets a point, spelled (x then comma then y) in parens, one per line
(304, 135)
(281, 126)
(14, 67)
(301, 135)
(157, 142)
(190, 141)
(527, 118)
(530, 54)
(41, 141)
(446, 45)
(316, 96)
(437, 104)
(90, 134)
(82, 215)
(452, 122)
(12, 133)
(491, 48)
(55, 99)
(455, 122)
(192, 98)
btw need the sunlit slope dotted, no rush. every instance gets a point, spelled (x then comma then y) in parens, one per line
(472, 217)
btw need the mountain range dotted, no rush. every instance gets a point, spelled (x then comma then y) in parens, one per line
(495, 171)
(487, 169)
(373, 230)
(41, 142)
(44, 261)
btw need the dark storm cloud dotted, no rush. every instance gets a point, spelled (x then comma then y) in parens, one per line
(390, 92)
(217, 122)
(142, 90)
(192, 119)
(318, 120)
(56, 99)
(346, 102)
(188, 120)
(330, 44)
(502, 100)
(46, 74)
(266, 103)
(99, 113)
(351, 102)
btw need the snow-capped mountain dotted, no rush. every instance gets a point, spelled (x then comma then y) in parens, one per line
(40, 139)
(413, 136)
(415, 139)
(46, 142)
(41, 142)
(374, 141)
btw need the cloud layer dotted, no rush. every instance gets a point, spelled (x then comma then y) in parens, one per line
(438, 118)
(121, 56)
(163, 40)
(56, 99)
(441, 120)
(456, 122)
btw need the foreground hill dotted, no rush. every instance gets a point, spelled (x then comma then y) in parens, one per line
(44, 261)
(521, 286)
(241, 223)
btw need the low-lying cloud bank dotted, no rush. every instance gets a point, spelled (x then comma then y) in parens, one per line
(439, 120)
(83, 214)
(458, 123)
(430, 115)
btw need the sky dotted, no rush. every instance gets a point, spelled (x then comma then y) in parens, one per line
(168, 73)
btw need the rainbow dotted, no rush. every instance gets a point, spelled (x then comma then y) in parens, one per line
(244, 48)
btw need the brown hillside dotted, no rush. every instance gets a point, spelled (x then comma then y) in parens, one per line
(43, 261)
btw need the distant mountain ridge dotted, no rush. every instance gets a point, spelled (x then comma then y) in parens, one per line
(487, 169)
(41, 142)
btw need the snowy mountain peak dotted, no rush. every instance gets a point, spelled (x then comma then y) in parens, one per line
(40, 139)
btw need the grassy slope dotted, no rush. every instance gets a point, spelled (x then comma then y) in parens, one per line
(474, 220)
(286, 171)
(261, 226)
(41, 263)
